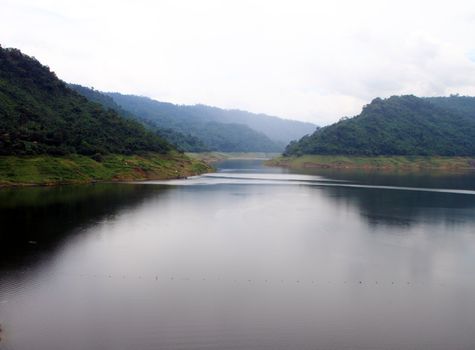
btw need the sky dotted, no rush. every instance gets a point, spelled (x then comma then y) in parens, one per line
(314, 61)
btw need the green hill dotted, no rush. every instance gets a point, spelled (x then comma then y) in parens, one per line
(184, 142)
(461, 104)
(219, 129)
(51, 134)
(277, 129)
(398, 126)
(39, 114)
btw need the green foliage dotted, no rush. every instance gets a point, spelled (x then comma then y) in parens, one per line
(399, 125)
(460, 104)
(39, 114)
(183, 142)
(202, 128)
(218, 129)
(279, 130)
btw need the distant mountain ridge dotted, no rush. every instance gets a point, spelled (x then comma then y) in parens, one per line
(277, 129)
(200, 121)
(399, 125)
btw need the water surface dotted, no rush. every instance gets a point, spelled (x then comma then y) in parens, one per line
(246, 258)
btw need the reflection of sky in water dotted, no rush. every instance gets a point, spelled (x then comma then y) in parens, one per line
(236, 260)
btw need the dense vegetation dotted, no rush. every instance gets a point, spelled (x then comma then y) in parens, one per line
(277, 129)
(184, 142)
(217, 136)
(461, 104)
(399, 125)
(39, 114)
(214, 126)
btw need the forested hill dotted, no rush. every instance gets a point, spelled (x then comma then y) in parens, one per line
(184, 142)
(218, 134)
(399, 125)
(462, 104)
(277, 129)
(39, 114)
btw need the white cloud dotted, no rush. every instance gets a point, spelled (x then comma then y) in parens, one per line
(308, 60)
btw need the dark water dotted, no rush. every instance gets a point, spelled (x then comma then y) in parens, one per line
(247, 258)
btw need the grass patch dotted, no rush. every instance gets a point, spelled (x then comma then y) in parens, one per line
(48, 170)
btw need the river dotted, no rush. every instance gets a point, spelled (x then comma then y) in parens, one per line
(248, 257)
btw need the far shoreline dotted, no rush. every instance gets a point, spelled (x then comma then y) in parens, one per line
(215, 156)
(388, 163)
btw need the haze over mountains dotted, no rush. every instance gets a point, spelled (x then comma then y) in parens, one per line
(40, 114)
(277, 129)
(399, 125)
(203, 128)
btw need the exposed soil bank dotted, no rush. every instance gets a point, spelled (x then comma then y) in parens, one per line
(49, 170)
(379, 162)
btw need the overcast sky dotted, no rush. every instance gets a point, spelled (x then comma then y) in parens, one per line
(308, 60)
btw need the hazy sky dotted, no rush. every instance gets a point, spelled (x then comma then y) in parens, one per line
(306, 60)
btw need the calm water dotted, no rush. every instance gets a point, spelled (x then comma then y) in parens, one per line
(246, 258)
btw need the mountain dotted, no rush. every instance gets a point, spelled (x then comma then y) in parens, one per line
(399, 125)
(277, 129)
(39, 114)
(184, 142)
(251, 132)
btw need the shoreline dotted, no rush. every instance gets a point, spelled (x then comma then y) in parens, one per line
(43, 170)
(213, 157)
(404, 163)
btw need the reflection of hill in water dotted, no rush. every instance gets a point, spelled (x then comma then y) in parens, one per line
(36, 220)
(405, 208)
